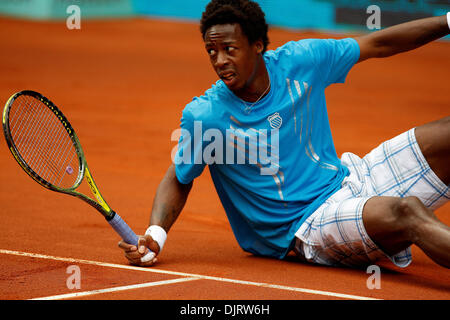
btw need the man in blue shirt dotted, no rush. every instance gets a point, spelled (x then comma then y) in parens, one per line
(263, 130)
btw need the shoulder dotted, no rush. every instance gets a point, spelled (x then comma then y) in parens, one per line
(311, 47)
(295, 52)
(303, 46)
(201, 107)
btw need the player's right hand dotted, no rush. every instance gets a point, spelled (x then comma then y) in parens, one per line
(144, 255)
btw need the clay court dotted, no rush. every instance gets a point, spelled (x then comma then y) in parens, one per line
(123, 85)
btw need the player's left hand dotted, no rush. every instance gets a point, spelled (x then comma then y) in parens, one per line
(144, 255)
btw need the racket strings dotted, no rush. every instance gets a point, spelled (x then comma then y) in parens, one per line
(40, 125)
(25, 138)
(24, 141)
(53, 161)
(43, 142)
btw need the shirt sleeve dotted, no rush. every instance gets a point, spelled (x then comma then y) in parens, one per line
(189, 163)
(334, 58)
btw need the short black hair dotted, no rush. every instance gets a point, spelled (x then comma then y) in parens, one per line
(248, 14)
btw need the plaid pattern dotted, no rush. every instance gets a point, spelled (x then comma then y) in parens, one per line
(335, 235)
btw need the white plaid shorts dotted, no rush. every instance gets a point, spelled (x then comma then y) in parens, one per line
(335, 235)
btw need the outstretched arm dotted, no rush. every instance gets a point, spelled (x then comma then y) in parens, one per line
(169, 200)
(403, 37)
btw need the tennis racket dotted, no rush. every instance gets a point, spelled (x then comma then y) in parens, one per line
(45, 145)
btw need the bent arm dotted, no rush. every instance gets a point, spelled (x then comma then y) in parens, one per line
(170, 199)
(403, 37)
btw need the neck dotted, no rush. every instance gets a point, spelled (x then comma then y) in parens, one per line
(257, 85)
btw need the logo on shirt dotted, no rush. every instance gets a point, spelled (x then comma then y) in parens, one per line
(275, 121)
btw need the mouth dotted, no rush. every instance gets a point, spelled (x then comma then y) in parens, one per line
(228, 77)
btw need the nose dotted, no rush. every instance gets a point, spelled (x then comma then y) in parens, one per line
(221, 60)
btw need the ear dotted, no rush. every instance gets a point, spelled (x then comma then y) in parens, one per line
(259, 46)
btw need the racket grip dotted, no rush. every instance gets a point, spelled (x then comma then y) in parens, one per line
(122, 228)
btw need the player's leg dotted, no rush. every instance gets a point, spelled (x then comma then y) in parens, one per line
(434, 141)
(396, 223)
(391, 192)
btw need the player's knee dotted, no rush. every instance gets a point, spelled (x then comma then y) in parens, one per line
(407, 208)
(446, 121)
(410, 214)
(444, 125)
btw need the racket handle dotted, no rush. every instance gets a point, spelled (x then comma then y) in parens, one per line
(122, 228)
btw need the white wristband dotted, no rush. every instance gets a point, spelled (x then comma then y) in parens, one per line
(158, 234)
(448, 19)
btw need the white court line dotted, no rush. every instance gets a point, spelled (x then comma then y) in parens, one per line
(190, 275)
(115, 289)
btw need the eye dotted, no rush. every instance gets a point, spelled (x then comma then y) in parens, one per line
(230, 49)
(211, 51)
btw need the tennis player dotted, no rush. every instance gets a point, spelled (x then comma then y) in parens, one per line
(333, 211)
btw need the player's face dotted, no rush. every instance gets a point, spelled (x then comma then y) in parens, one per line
(233, 58)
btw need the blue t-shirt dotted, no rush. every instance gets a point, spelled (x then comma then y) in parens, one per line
(273, 163)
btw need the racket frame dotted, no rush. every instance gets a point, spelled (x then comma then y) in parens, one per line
(115, 221)
(83, 171)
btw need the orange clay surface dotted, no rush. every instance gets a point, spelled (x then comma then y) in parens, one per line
(123, 85)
